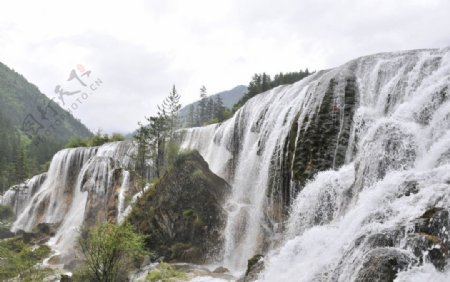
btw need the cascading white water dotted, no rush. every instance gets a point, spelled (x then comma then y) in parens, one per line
(18, 196)
(78, 187)
(123, 189)
(402, 139)
(400, 132)
(50, 204)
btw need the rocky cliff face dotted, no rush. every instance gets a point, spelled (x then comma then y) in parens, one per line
(182, 213)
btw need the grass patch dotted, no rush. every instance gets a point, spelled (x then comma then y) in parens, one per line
(19, 260)
(198, 174)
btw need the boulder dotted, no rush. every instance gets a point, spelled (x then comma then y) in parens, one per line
(221, 269)
(182, 213)
(430, 240)
(255, 266)
(435, 221)
(383, 264)
(429, 247)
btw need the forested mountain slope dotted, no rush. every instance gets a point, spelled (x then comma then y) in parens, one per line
(32, 128)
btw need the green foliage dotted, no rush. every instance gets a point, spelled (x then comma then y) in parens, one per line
(45, 166)
(97, 140)
(77, 142)
(208, 111)
(188, 213)
(117, 137)
(155, 139)
(6, 213)
(108, 250)
(172, 151)
(430, 212)
(263, 82)
(22, 153)
(165, 273)
(198, 174)
(18, 259)
(251, 262)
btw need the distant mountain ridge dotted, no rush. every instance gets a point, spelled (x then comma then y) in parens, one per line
(229, 98)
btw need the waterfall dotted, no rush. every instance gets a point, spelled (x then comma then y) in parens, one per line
(330, 159)
(82, 186)
(18, 196)
(50, 204)
(123, 189)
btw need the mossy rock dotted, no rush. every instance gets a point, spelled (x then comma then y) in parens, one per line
(383, 264)
(431, 212)
(255, 266)
(182, 213)
(252, 262)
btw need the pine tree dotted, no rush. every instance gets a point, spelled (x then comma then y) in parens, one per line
(158, 132)
(191, 116)
(170, 107)
(209, 110)
(153, 138)
(143, 153)
(219, 109)
(202, 104)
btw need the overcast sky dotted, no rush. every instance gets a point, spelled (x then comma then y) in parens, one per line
(139, 49)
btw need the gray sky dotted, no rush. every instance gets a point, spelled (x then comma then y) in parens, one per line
(140, 48)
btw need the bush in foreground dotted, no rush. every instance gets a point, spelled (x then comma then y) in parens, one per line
(108, 251)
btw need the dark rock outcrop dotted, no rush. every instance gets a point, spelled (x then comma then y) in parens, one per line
(221, 269)
(255, 266)
(317, 143)
(182, 214)
(383, 264)
(430, 240)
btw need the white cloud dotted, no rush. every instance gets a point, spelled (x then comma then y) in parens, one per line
(141, 48)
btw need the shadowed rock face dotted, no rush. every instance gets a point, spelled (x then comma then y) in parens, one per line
(322, 140)
(315, 142)
(383, 264)
(430, 240)
(182, 214)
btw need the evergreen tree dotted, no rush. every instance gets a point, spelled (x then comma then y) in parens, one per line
(202, 106)
(219, 109)
(141, 137)
(191, 116)
(157, 135)
(209, 110)
(158, 132)
(170, 107)
(263, 82)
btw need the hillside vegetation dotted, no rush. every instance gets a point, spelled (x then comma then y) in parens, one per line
(32, 128)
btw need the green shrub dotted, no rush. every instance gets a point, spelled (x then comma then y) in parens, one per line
(117, 137)
(77, 142)
(97, 140)
(6, 213)
(109, 250)
(165, 273)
